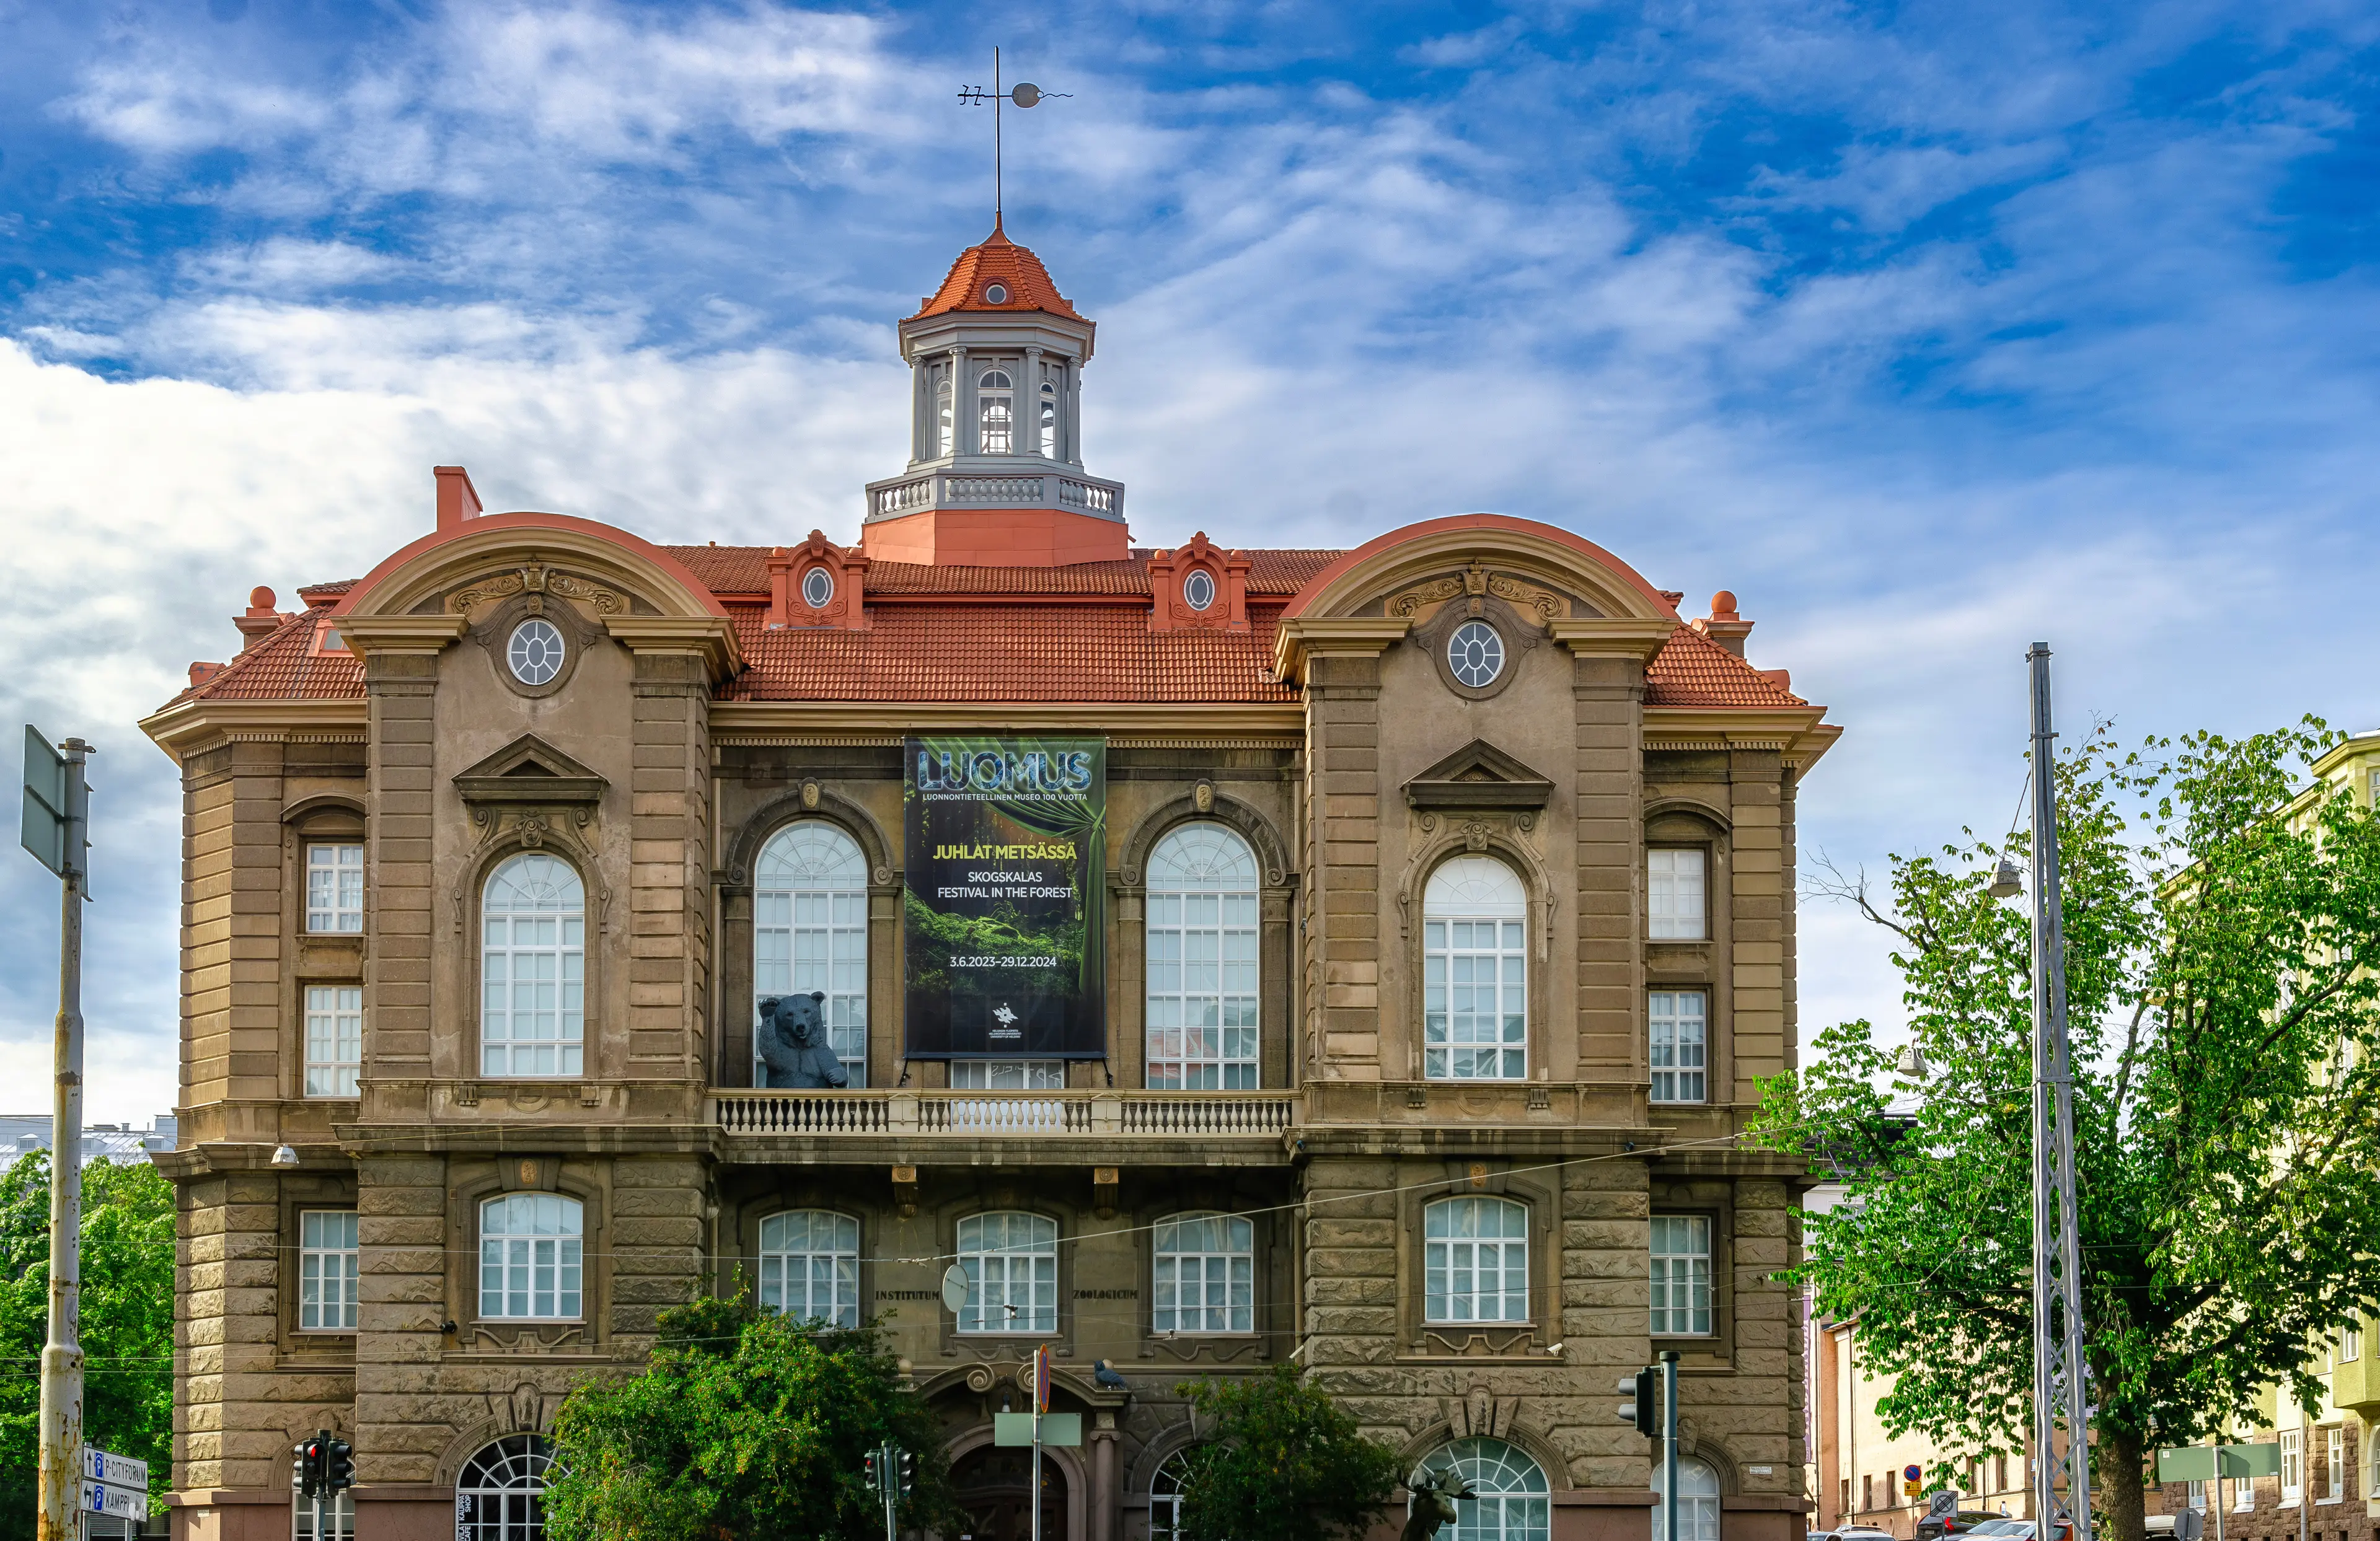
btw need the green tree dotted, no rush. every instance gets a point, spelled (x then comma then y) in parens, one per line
(127, 1322)
(2223, 1021)
(744, 1423)
(1281, 1462)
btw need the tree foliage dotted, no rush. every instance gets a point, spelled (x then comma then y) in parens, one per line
(1281, 1462)
(744, 1423)
(127, 1321)
(2219, 928)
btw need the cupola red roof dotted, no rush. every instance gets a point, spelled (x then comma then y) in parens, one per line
(998, 260)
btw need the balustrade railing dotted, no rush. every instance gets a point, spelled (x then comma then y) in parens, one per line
(997, 1115)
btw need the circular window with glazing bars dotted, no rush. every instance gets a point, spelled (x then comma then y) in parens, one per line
(535, 651)
(817, 588)
(995, 294)
(1198, 589)
(1475, 654)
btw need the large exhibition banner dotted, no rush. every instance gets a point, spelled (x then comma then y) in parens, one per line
(1007, 846)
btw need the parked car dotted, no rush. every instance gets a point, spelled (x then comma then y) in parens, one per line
(1963, 1522)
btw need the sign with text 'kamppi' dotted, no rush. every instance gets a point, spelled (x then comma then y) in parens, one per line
(1004, 945)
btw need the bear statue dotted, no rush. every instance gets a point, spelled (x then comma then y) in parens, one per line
(793, 1047)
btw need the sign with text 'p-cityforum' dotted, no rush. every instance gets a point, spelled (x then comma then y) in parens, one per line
(1005, 942)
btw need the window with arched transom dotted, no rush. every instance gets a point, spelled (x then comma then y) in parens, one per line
(1165, 1497)
(1201, 961)
(1203, 1272)
(809, 933)
(1510, 1500)
(996, 412)
(809, 1265)
(1475, 1260)
(499, 1494)
(533, 968)
(1697, 1500)
(1475, 971)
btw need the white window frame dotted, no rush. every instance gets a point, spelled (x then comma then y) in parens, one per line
(338, 1517)
(991, 399)
(1165, 1497)
(1678, 1045)
(1512, 1499)
(1468, 901)
(810, 933)
(1684, 1304)
(2350, 1342)
(1011, 1263)
(1008, 1075)
(1201, 935)
(809, 1265)
(1470, 1269)
(1048, 419)
(540, 1266)
(1203, 1273)
(327, 1270)
(509, 1476)
(334, 888)
(546, 938)
(334, 1039)
(2293, 1443)
(2334, 1463)
(1698, 1497)
(1677, 890)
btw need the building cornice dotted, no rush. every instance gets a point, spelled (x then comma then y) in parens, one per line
(1612, 637)
(709, 637)
(1800, 734)
(747, 719)
(1301, 638)
(367, 635)
(187, 727)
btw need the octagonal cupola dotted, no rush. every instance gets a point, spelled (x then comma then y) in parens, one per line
(995, 475)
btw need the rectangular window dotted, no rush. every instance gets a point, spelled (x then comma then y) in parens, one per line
(1202, 991)
(1474, 1000)
(1682, 1276)
(339, 1512)
(2292, 1465)
(2334, 1463)
(1845, 1484)
(1205, 1275)
(532, 1256)
(1008, 1075)
(2351, 1343)
(326, 1270)
(1868, 1492)
(2198, 1495)
(334, 888)
(334, 1039)
(1680, 1045)
(1011, 1263)
(1673, 888)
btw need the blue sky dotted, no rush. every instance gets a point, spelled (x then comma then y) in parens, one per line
(1927, 329)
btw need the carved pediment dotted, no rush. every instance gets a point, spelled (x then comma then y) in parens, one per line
(529, 769)
(1479, 776)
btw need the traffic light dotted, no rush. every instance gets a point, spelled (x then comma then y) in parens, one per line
(309, 1467)
(338, 1466)
(909, 1473)
(1638, 1408)
(875, 1474)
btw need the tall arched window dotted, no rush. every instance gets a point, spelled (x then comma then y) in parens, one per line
(996, 410)
(532, 1251)
(1011, 1262)
(1697, 1500)
(809, 1265)
(498, 1493)
(809, 932)
(1510, 1500)
(1475, 971)
(1475, 1260)
(533, 969)
(1049, 420)
(1202, 961)
(1165, 1497)
(944, 418)
(1204, 1273)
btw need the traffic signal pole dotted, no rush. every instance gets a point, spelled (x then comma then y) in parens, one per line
(1669, 1444)
(59, 1481)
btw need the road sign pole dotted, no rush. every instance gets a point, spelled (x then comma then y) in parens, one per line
(1669, 1444)
(61, 1434)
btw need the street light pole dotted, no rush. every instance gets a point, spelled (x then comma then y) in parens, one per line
(59, 1479)
(2059, 1388)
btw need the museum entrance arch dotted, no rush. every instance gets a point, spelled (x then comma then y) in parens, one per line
(991, 1484)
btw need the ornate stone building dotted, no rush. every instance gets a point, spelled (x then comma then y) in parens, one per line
(1447, 919)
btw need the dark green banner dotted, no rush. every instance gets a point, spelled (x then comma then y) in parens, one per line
(1001, 913)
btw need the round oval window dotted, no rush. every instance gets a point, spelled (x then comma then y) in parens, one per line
(996, 295)
(535, 652)
(818, 586)
(1475, 654)
(1198, 589)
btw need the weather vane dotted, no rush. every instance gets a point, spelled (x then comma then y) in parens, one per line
(1025, 95)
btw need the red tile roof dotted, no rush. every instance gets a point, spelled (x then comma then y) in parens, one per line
(1030, 285)
(975, 634)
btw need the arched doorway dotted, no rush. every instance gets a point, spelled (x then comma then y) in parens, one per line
(993, 1484)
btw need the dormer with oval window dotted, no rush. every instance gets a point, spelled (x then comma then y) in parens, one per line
(1198, 586)
(818, 583)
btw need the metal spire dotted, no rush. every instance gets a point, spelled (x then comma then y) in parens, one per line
(1025, 94)
(2060, 1392)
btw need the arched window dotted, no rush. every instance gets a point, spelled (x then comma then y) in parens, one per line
(996, 410)
(498, 1493)
(1010, 1261)
(1474, 973)
(1205, 1275)
(1049, 420)
(1697, 1500)
(1510, 1500)
(533, 969)
(1202, 961)
(944, 443)
(532, 1252)
(809, 932)
(1165, 1497)
(1475, 1260)
(809, 1265)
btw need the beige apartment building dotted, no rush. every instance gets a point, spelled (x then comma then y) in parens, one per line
(565, 934)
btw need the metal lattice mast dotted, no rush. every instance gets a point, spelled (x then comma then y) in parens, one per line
(2060, 1392)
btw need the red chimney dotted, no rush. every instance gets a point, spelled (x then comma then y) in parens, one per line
(457, 499)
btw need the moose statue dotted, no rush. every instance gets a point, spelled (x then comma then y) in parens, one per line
(1434, 1495)
(793, 1047)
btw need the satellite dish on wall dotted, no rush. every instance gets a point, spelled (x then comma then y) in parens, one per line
(954, 1282)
